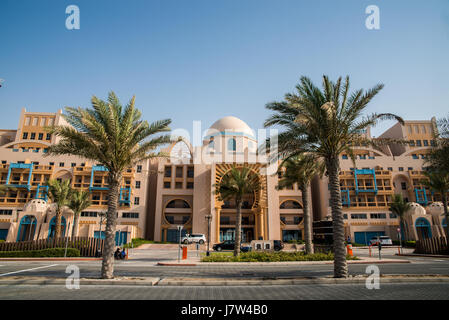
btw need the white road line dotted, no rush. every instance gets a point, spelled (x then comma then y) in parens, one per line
(5, 274)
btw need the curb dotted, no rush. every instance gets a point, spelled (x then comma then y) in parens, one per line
(422, 255)
(50, 259)
(176, 264)
(224, 282)
(386, 261)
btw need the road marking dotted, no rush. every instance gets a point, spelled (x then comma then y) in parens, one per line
(5, 274)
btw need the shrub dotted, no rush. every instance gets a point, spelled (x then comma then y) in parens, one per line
(2, 241)
(136, 242)
(407, 244)
(267, 256)
(53, 252)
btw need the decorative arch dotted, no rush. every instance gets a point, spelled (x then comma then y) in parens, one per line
(424, 150)
(187, 208)
(180, 150)
(260, 195)
(52, 227)
(423, 228)
(27, 228)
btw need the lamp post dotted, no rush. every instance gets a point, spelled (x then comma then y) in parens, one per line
(208, 218)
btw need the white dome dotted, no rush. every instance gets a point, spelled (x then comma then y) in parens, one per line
(36, 205)
(435, 208)
(230, 125)
(416, 209)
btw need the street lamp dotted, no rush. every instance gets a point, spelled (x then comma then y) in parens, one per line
(208, 218)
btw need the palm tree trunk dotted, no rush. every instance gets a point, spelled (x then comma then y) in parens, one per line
(238, 227)
(107, 268)
(58, 222)
(340, 264)
(75, 224)
(446, 214)
(307, 220)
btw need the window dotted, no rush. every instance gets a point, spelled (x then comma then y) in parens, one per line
(423, 129)
(426, 143)
(5, 212)
(27, 121)
(410, 129)
(51, 164)
(40, 136)
(33, 136)
(232, 145)
(189, 185)
(137, 184)
(190, 172)
(390, 169)
(418, 143)
(167, 184)
(167, 172)
(393, 216)
(50, 121)
(403, 186)
(401, 169)
(132, 215)
(378, 215)
(178, 185)
(432, 143)
(61, 164)
(73, 164)
(410, 169)
(25, 135)
(415, 156)
(412, 143)
(139, 168)
(89, 214)
(35, 121)
(345, 156)
(42, 122)
(345, 216)
(417, 129)
(48, 137)
(358, 216)
(136, 201)
(179, 171)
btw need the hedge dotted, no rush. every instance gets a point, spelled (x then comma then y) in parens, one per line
(264, 256)
(407, 244)
(53, 252)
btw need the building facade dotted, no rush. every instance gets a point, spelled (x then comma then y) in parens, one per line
(158, 196)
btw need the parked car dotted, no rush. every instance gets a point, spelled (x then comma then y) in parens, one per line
(194, 238)
(229, 245)
(384, 240)
(278, 245)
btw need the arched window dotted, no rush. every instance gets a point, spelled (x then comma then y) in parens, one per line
(52, 227)
(178, 204)
(27, 228)
(423, 228)
(232, 145)
(290, 204)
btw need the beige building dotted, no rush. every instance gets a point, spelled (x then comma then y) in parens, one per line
(156, 197)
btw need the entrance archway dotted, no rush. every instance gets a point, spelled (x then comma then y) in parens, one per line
(52, 227)
(423, 228)
(27, 228)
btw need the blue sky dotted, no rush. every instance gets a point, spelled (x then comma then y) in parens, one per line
(205, 59)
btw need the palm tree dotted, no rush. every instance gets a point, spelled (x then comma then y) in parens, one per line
(79, 201)
(234, 185)
(325, 123)
(115, 137)
(399, 207)
(438, 158)
(59, 192)
(439, 182)
(301, 170)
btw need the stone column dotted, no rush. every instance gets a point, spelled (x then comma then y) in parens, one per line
(217, 224)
